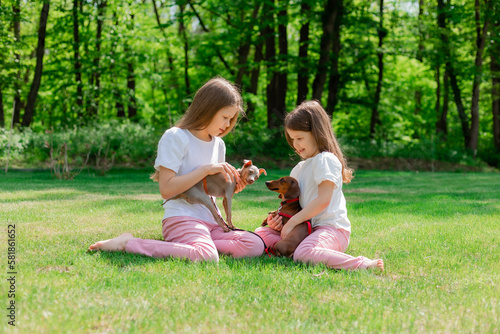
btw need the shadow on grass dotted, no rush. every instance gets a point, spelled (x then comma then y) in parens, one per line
(263, 262)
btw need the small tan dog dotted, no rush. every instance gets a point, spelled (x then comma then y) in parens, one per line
(216, 185)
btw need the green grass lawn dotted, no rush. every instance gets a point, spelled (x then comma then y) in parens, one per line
(439, 234)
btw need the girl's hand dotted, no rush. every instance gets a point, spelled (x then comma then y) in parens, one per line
(275, 222)
(228, 171)
(290, 225)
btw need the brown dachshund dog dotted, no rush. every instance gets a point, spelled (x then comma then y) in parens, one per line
(289, 191)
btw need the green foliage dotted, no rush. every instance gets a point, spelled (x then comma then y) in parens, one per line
(168, 64)
(130, 144)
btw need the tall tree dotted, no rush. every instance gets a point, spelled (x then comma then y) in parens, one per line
(420, 54)
(281, 74)
(495, 73)
(37, 78)
(2, 114)
(254, 75)
(183, 34)
(245, 45)
(132, 102)
(381, 32)
(16, 20)
(478, 71)
(114, 69)
(442, 18)
(272, 83)
(334, 79)
(96, 75)
(303, 68)
(442, 111)
(76, 58)
(329, 19)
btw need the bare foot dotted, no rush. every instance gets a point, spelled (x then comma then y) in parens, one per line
(376, 264)
(116, 244)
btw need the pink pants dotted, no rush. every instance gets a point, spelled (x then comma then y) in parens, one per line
(326, 245)
(197, 240)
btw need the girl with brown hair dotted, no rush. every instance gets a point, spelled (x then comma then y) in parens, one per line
(320, 175)
(187, 153)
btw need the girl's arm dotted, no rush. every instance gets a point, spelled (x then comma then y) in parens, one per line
(172, 185)
(320, 203)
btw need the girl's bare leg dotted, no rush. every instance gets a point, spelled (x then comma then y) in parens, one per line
(116, 244)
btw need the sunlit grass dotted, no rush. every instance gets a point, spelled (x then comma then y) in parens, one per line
(439, 234)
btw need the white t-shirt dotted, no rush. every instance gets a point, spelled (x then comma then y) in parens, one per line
(180, 151)
(310, 173)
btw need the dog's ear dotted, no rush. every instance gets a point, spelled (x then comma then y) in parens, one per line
(293, 190)
(262, 170)
(247, 163)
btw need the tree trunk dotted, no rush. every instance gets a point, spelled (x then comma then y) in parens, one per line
(33, 93)
(375, 120)
(446, 103)
(254, 77)
(478, 66)
(94, 107)
(437, 107)
(2, 114)
(16, 9)
(329, 18)
(442, 112)
(182, 32)
(303, 68)
(115, 74)
(441, 18)
(244, 49)
(281, 76)
(495, 83)
(272, 85)
(77, 62)
(420, 51)
(334, 80)
(132, 102)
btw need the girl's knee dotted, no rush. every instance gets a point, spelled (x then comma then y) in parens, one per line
(258, 247)
(204, 254)
(262, 231)
(251, 246)
(303, 253)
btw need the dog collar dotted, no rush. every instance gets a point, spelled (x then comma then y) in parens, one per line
(205, 187)
(290, 201)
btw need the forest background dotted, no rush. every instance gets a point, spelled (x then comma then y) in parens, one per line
(96, 82)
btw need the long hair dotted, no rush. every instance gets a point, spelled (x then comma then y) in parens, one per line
(310, 116)
(214, 95)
